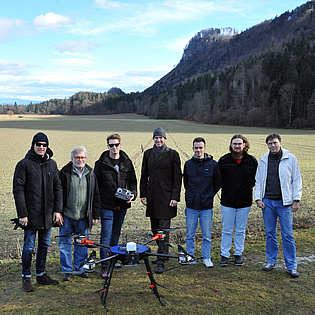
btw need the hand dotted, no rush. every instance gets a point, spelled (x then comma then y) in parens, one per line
(295, 206)
(144, 200)
(173, 203)
(132, 196)
(260, 204)
(57, 218)
(23, 221)
(94, 221)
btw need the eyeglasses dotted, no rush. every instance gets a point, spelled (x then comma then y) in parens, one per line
(111, 145)
(237, 144)
(273, 143)
(38, 144)
(80, 157)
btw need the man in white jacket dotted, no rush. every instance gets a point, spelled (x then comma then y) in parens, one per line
(278, 191)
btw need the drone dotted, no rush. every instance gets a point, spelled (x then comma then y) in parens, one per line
(129, 254)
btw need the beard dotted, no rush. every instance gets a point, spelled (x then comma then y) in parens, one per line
(78, 164)
(237, 155)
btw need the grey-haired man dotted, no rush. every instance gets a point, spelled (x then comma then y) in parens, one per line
(81, 209)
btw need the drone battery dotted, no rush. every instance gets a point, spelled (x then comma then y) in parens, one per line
(131, 247)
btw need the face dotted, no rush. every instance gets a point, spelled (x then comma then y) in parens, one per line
(274, 145)
(238, 145)
(40, 148)
(114, 146)
(79, 160)
(199, 150)
(159, 141)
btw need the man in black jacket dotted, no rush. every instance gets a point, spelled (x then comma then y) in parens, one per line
(113, 170)
(202, 180)
(238, 170)
(81, 209)
(38, 200)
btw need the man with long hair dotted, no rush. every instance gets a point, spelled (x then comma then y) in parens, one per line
(238, 170)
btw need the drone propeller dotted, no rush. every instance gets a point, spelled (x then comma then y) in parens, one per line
(174, 229)
(164, 230)
(71, 235)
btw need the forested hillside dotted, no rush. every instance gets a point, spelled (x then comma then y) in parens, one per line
(264, 76)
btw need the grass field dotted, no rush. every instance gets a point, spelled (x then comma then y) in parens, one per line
(192, 288)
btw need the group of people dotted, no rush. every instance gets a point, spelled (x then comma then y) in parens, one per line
(78, 196)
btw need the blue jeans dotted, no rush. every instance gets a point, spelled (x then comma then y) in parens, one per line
(274, 209)
(231, 218)
(205, 220)
(65, 244)
(41, 254)
(111, 223)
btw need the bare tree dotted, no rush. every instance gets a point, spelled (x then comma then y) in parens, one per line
(287, 97)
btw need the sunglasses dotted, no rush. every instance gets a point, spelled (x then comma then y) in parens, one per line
(45, 145)
(111, 145)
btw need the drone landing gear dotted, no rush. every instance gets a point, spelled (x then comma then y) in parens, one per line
(153, 282)
(103, 292)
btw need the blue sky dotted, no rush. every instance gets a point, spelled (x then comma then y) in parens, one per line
(55, 48)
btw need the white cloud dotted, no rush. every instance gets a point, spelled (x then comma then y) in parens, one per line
(60, 82)
(144, 18)
(10, 28)
(76, 46)
(51, 21)
(105, 4)
(14, 68)
(73, 62)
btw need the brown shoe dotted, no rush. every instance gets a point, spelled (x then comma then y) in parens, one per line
(46, 280)
(27, 285)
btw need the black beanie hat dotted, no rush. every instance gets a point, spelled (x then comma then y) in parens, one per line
(40, 137)
(159, 132)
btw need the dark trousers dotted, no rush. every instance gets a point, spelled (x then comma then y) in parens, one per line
(163, 248)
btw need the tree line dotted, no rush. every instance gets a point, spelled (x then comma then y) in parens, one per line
(262, 77)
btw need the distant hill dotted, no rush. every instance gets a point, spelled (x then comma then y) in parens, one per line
(264, 76)
(218, 49)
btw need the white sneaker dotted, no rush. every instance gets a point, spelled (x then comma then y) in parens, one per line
(208, 263)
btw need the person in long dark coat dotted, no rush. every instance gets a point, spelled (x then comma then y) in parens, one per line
(160, 186)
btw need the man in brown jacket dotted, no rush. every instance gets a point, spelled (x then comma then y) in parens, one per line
(160, 186)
